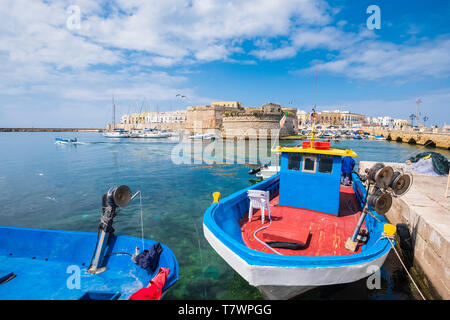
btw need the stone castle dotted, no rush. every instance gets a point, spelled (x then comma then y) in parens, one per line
(232, 120)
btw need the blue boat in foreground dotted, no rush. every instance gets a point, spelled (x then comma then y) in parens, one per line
(37, 264)
(308, 230)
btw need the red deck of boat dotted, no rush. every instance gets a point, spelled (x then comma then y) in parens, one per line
(327, 233)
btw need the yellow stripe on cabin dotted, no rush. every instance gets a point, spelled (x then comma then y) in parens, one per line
(331, 151)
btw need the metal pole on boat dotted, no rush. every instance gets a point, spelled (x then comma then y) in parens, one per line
(114, 198)
(359, 224)
(351, 242)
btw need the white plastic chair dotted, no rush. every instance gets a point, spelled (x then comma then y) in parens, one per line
(258, 200)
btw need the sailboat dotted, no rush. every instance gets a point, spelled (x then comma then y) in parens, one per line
(115, 133)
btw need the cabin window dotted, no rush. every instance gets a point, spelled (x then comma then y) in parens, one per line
(309, 164)
(325, 165)
(294, 162)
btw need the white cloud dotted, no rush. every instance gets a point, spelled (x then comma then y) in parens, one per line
(275, 54)
(309, 38)
(375, 60)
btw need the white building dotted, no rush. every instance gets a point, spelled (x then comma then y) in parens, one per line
(124, 119)
(387, 121)
(166, 117)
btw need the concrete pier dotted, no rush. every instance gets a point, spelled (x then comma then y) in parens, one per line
(426, 212)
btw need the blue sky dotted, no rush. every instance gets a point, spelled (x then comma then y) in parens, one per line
(253, 51)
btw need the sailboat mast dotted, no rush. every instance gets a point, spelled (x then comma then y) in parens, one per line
(113, 114)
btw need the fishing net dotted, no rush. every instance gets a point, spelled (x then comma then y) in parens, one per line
(437, 162)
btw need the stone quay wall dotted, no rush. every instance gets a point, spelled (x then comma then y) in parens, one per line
(426, 212)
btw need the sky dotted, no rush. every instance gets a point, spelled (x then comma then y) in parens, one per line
(62, 61)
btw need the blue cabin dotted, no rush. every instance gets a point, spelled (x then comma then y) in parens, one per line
(310, 176)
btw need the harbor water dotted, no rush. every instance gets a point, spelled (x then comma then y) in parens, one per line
(44, 185)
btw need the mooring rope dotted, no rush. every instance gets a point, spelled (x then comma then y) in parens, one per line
(404, 267)
(142, 220)
(264, 227)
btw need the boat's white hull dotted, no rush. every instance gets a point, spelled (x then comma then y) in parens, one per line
(266, 173)
(153, 135)
(294, 280)
(283, 292)
(202, 137)
(115, 135)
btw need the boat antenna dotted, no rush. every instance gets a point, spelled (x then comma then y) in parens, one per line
(314, 112)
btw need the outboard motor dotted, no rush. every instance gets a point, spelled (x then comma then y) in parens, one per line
(256, 170)
(116, 197)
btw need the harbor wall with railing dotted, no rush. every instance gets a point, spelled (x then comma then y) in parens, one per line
(425, 209)
(425, 136)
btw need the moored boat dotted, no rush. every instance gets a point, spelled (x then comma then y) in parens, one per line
(308, 230)
(154, 134)
(204, 136)
(265, 171)
(117, 133)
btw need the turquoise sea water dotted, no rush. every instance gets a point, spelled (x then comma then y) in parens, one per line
(50, 186)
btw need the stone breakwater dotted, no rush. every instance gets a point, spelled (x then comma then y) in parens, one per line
(51, 130)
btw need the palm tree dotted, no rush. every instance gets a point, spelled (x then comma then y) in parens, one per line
(425, 119)
(412, 117)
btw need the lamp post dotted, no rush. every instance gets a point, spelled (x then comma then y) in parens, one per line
(412, 117)
(418, 102)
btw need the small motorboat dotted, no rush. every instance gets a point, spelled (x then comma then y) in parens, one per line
(38, 264)
(301, 228)
(265, 171)
(65, 141)
(205, 136)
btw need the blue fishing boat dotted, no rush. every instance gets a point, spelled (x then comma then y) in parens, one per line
(65, 141)
(37, 264)
(308, 229)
